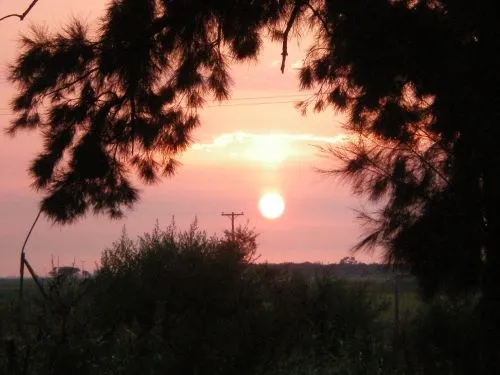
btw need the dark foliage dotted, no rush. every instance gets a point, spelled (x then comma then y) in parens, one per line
(184, 302)
(419, 82)
(405, 73)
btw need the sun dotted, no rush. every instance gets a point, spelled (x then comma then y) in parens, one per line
(271, 205)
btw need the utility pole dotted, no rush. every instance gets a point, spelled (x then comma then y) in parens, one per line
(232, 215)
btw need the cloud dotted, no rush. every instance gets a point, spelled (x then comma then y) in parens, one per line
(298, 64)
(268, 148)
(222, 141)
(227, 139)
(294, 66)
(274, 63)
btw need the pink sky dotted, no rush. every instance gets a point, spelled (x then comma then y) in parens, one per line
(241, 151)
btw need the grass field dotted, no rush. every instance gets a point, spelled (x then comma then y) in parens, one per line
(9, 289)
(409, 302)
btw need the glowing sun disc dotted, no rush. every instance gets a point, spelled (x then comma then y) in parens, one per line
(271, 205)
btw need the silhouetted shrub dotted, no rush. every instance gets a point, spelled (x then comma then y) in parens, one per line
(184, 302)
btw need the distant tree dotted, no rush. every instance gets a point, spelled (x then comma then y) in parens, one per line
(65, 272)
(348, 260)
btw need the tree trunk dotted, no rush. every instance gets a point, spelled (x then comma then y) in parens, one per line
(490, 303)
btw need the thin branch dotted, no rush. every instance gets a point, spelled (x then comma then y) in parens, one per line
(419, 156)
(411, 150)
(293, 17)
(428, 135)
(429, 165)
(31, 230)
(21, 280)
(341, 154)
(69, 84)
(23, 15)
(316, 14)
(219, 38)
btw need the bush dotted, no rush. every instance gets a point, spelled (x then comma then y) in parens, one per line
(184, 302)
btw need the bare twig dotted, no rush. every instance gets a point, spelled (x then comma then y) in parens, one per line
(31, 230)
(22, 15)
(291, 20)
(21, 280)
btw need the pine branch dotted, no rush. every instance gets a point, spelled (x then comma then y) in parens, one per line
(318, 15)
(23, 15)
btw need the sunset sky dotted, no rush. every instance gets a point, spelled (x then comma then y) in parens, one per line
(244, 148)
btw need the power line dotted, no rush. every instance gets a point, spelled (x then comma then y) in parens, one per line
(234, 99)
(242, 98)
(220, 106)
(264, 97)
(249, 104)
